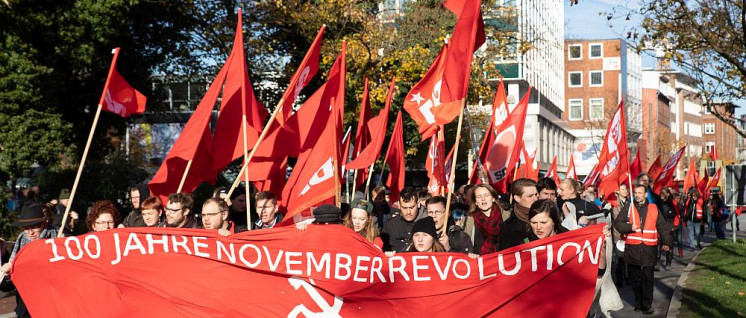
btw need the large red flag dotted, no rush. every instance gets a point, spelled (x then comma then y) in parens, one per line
(691, 176)
(362, 135)
(552, 172)
(305, 72)
(702, 184)
(636, 167)
(194, 144)
(435, 164)
(377, 128)
(437, 97)
(325, 271)
(571, 170)
(395, 159)
(713, 182)
(500, 113)
(714, 153)
(504, 151)
(592, 177)
(528, 167)
(238, 104)
(120, 97)
(668, 170)
(312, 180)
(613, 162)
(655, 168)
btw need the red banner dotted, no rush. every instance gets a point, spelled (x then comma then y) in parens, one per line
(668, 170)
(281, 272)
(613, 162)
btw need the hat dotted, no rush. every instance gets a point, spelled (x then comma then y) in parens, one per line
(30, 215)
(327, 213)
(426, 225)
(362, 204)
(64, 194)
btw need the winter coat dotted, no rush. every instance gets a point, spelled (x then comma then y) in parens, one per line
(641, 254)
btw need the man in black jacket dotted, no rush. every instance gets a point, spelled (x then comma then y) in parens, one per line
(397, 232)
(642, 223)
(514, 231)
(456, 239)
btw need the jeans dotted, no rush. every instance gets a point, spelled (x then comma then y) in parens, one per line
(719, 229)
(695, 233)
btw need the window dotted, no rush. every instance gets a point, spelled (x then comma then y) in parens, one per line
(596, 109)
(597, 78)
(709, 129)
(575, 109)
(575, 52)
(596, 51)
(576, 79)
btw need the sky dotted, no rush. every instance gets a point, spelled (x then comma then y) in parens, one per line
(583, 21)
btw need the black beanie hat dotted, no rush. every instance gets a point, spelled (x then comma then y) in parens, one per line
(426, 225)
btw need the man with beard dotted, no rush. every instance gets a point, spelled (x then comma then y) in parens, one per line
(178, 212)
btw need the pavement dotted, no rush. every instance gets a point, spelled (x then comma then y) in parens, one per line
(668, 283)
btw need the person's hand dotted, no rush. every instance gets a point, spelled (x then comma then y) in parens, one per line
(53, 202)
(224, 232)
(606, 231)
(635, 227)
(444, 240)
(301, 226)
(6, 268)
(583, 221)
(665, 248)
(74, 215)
(390, 253)
(473, 256)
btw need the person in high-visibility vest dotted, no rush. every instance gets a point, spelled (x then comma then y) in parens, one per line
(642, 225)
(694, 217)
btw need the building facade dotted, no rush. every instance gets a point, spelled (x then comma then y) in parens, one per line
(599, 75)
(657, 139)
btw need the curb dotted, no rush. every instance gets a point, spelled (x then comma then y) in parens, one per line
(675, 305)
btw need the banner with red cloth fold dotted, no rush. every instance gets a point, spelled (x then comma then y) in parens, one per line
(119, 97)
(655, 169)
(500, 113)
(552, 172)
(668, 170)
(528, 168)
(702, 184)
(395, 159)
(613, 162)
(636, 167)
(282, 272)
(571, 169)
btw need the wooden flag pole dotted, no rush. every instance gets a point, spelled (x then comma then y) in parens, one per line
(354, 184)
(380, 176)
(88, 143)
(80, 171)
(367, 184)
(253, 150)
(335, 158)
(183, 178)
(246, 175)
(455, 160)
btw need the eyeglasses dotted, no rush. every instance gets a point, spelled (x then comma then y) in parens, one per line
(212, 214)
(104, 222)
(173, 211)
(438, 213)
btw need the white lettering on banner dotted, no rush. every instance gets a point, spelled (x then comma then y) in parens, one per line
(70, 254)
(670, 164)
(427, 108)
(326, 310)
(301, 81)
(501, 114)
(114, 106)
(324, 173)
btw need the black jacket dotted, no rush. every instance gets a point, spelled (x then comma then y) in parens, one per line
(667, 210)
(513, 232)
(397, 235)
(458, 239)
(641, 254)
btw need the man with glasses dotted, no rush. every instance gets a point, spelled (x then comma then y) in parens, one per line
(178, 212)
(215, 217)
(397, 232)
(456, 239)
(266, 207)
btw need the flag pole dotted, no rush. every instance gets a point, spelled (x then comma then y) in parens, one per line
(380, 176)
(183, 178)
(354, 182)
(88, 143)
(246, 171)
(454, 161)
(335, 158)
(367, 184)
(253, 150)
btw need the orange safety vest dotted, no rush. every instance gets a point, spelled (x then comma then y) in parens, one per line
(699, 208)
(648, 234)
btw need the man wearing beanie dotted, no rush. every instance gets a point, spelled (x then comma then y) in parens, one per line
(73, 220)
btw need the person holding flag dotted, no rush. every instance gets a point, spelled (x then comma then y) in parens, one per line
(642, 225)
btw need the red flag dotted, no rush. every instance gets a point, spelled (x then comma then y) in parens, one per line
(528, 168)
(504, 150)
(592, 177)
(312, 180)
(571, 170)
(702, 184)
(691, 176)
(552, 172)
(437, 97)
(377, 128)
(325, 271)
(534, 171)
(668, 170)
(613, 162)
(362, 135)
(120, 97)
(655, 168)
(435, 164)
(395, 160)
(500, 112)
(238, 103)
(714, 153)
(713, 182)
(636, 167)
(305, 72)
(447, 167)
(195, 144)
